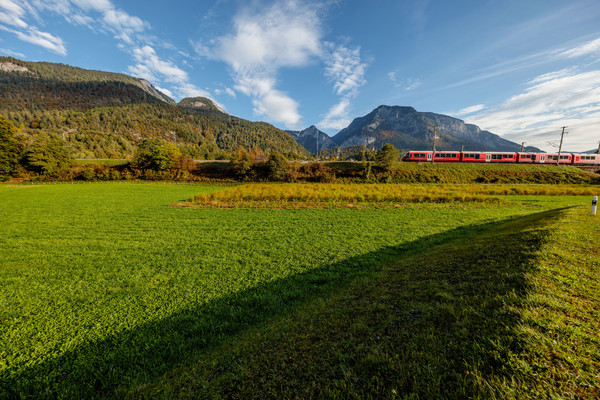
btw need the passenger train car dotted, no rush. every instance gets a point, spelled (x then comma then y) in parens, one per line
(502, 157)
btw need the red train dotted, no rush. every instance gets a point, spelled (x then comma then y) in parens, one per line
(502, 157)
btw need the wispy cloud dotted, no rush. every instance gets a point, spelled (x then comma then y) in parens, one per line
(13, 17)
(345, 68)
(285, 34)
(403, 83)
(470, 110)
(11, 53)
(338, 116)
(551, 100)
(589, 48)
(102, 16)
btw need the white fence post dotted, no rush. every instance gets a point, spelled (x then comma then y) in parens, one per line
(594, 202)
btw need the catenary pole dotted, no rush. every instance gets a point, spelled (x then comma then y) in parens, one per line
(434, 138)
(562, 135)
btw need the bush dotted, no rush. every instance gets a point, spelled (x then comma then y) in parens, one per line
(278, 166)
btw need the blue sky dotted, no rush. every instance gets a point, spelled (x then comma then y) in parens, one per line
(521, 69)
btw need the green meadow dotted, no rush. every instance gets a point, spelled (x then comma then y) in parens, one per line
(114, 290)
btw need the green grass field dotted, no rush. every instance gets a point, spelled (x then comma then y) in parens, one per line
(109, 292)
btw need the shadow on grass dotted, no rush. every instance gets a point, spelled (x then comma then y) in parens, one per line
(453, 297)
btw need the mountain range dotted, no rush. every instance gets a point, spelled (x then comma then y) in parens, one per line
(313, 139)
(406, 128)
(105, 115)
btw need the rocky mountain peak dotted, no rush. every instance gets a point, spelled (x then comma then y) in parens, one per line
(7, 66)
(199, 104)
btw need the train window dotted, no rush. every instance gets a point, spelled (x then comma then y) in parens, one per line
(564, 157)
(477, 156)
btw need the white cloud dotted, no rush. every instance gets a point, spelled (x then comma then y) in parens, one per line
(550, 101)
(470, 110)
(284, 35)
(12, 19)
(337, 117)
(186, 89)
(11, 53)
(412, 84)
(149, 63)
(230, 92)
(405, 83)
(12, 13)
(589, 48)
(165, 91)
(43, 39)
(345, 68)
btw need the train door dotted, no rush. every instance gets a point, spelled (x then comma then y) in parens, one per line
(542, 158)
(488, 157)
(428, 156)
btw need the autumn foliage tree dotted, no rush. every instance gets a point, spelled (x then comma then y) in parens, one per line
(156, 155)
(278, 166)
(48, 155)
(388, 156)
(11, 150)
(241, 162)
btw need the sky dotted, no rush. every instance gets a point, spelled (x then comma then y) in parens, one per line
(522, 69)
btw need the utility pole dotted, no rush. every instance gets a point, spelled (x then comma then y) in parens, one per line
(598, 151)
(317, 144)
(434, 139)
(522, 146)
(562, 135)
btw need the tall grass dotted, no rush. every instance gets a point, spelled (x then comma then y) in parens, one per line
(334, 194)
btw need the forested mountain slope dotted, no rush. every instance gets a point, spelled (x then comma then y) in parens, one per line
(105, 115)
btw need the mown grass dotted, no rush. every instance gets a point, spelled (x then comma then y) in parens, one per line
(350, 195)
(501, 312)
(108, 292)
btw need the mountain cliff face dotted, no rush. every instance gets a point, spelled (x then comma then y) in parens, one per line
(406, 128)
(105, 115)
(307, 138)
(199, 104)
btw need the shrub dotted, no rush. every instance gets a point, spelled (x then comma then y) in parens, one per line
(278, 166)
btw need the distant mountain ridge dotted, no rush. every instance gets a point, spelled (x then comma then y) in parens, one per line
(406, 128)
(307, 138)
(62, 73)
